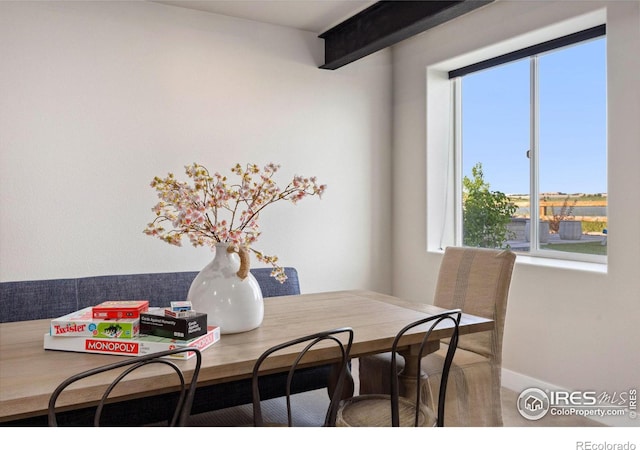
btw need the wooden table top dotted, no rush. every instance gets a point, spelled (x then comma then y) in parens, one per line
(28, 373)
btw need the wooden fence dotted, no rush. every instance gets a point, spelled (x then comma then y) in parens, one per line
(550, 207)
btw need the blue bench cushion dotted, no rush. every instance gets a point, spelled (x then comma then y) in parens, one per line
(43, 299)
(159, 288)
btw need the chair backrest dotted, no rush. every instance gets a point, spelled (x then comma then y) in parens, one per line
(123, 368)
(451, 318)
(477, 280)
(311, 341)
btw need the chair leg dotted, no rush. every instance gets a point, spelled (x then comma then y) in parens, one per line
(348, 386)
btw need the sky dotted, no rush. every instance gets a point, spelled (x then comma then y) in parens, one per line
(572, 138)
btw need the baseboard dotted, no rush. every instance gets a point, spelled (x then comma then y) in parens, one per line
(518, 382)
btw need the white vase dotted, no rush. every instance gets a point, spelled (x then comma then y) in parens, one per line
(227, 292)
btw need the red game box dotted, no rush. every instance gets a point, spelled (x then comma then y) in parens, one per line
(120, 309)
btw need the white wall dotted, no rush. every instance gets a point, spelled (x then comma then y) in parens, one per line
(99, 97)
(571, 328)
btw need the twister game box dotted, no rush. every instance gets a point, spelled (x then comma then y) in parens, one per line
(82, 323)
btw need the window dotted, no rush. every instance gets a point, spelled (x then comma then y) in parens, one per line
(530, 149)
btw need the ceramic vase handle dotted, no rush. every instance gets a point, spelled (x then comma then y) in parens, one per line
(244, 260)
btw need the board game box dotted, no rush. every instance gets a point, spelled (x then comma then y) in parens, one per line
(120, 309)
(142, 345)
(82, 323)
(156, 322)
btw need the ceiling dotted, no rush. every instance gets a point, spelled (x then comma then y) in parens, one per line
(309, 15)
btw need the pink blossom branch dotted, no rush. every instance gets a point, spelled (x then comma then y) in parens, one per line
(195, 211)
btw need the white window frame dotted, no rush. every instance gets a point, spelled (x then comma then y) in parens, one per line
(444, 211)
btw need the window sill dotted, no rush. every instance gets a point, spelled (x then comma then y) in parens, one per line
(561, 263)
(539, 261)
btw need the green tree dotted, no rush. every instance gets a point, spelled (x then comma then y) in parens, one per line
(486, 213)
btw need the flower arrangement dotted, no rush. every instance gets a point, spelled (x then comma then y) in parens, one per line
(213, 209)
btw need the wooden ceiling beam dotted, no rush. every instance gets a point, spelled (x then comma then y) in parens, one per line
(386, 23)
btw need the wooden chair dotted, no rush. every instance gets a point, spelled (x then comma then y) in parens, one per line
(379, 410)
(121, 369)
(477, 281)
(338, 377)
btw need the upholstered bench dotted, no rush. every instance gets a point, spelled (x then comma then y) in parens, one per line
(43, 299)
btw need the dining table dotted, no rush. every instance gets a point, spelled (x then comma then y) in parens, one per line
(29, 373)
